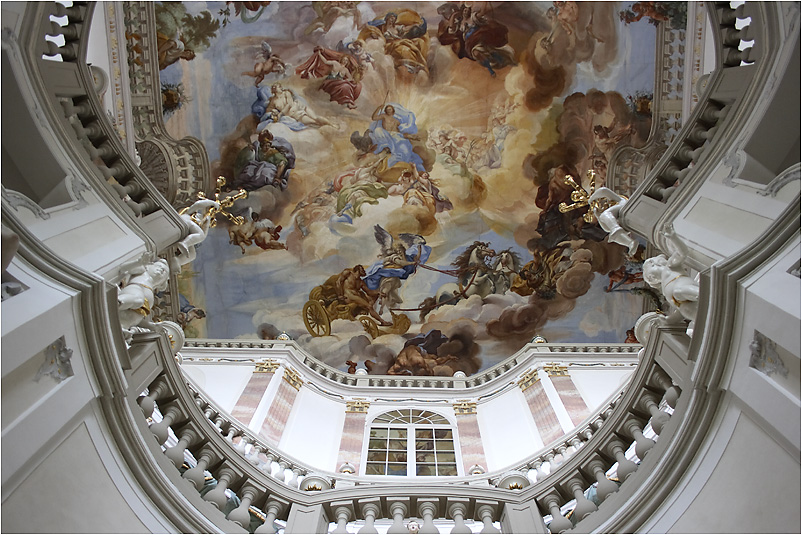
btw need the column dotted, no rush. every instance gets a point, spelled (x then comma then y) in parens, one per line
(276, 419)
(571, 398)
(254, 391)
(356, 413)
(548, 425)
(470, 438)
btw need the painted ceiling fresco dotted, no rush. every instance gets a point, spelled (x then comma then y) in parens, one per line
(404, 163)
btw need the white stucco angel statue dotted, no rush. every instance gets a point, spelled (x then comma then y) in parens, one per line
(199, 218)
(606, 205)
(670, 277)
(136, 297)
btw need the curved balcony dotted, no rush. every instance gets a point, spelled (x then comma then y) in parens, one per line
(198, 470)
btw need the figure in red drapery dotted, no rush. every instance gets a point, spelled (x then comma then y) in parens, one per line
(342, 73)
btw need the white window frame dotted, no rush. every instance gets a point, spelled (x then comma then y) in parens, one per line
(410, 432)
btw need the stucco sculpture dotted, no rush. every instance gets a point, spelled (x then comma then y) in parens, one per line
(670, 277)
(136, 298)
(606, 205)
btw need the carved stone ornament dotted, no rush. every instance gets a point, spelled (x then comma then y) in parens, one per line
(57, 362)
(765, 358)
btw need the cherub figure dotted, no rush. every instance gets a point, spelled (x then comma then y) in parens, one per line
(669, 276)
(606, 205)
(199, 217)
(136, 298)
(269, 63)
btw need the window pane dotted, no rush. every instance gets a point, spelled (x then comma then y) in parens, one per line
(447, 470)
(398, 433)
(442, 433)
(425, 457)
(397, 469)
(423, 433)
(445, 445)
(425, 470)
(424, 445)
(374, 469)
(377, 444)
(397, 445)
(397, 457)
(446, 458)
(378, 433)
(379, 456)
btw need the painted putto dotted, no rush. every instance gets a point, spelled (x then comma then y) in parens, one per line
(405, 164)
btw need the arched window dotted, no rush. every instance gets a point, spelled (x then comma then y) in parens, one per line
(411, 442)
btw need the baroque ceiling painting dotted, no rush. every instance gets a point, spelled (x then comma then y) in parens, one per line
(404, 165)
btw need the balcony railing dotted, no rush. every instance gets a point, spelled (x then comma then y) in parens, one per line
(633, 440)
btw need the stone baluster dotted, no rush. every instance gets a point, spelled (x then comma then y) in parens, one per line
(196, 475)
(296, 473)
(271, 512)
(485, 512)
(219, 422)
(176, 453)
(281, 474)
(457, 508)
(642, 444)
(559, 523)
(713, 113)
(625, 467)
(539, 473)
(604, 487)
(549, 456)
(659, 418)
(583, 506)
(157, 391)
(253, 456)
(240, 515)
(267, 467)
(75, 13)
(343, 512)
(242, 445)
(160, 429)
(232, 432)
(217, 496)
(370, 510)
(398, 510)
(427, 509)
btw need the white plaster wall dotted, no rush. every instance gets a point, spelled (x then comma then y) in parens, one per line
(596, 385)
(754, 476)
(72, 491)
(508, 429)
(314, 430)
(223, 384)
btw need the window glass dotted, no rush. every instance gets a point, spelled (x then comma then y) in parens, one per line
(411, 441)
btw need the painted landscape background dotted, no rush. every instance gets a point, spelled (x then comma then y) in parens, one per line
(495, 103)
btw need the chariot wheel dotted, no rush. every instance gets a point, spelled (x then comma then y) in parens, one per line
(370, 326)
(316, 320)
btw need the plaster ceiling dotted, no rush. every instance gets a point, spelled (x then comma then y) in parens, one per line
(497, 105)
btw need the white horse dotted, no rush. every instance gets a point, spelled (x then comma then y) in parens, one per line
(505, 270)
(475, 276)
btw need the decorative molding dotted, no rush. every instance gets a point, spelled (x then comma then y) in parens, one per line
(786, 177)
(77, 187)
(528, 379)
(57, 362)
(765, 358)
(464, 407)
(18, 200)
(268, 366)
(357, 405)
(294, 378)
(555, 370)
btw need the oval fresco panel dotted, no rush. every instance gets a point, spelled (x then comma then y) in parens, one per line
(404, 164)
